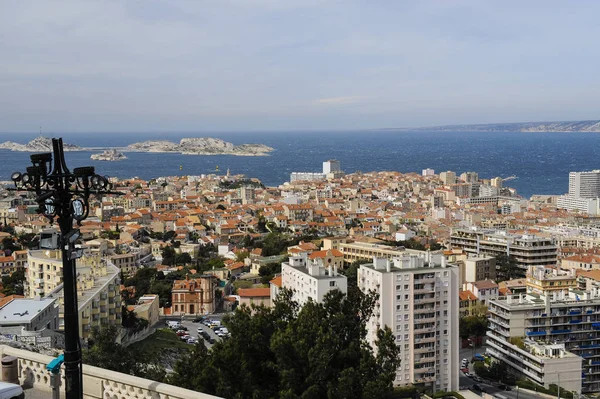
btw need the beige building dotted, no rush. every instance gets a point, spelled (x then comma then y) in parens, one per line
(478, 268)
(148, 308)
(256, 296)
(419, 302)
(127, 263)
(581, 262)
(448, 177)
(193, 296)
(99, 299)
(366, 251)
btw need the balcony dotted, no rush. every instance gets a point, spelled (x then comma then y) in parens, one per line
(425, 280)
(427, 309)
(423, 291)
(424, 349)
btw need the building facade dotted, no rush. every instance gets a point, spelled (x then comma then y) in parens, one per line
(193, 296)
(419, 302)
(527, 250)
(311, 279)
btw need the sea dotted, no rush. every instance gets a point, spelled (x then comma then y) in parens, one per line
(541, 162)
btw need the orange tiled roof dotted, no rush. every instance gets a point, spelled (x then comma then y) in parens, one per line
(254, 292)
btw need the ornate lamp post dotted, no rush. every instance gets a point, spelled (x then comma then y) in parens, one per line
(64, 194)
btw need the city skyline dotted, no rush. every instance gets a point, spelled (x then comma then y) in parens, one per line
(269, 65)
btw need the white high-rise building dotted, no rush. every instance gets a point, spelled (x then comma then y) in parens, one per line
(584, 191)
(331, 166)
(310, 279)
(428, 172)
(419, 301)
(584, 184)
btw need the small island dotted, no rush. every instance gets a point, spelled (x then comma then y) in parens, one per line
(109, 155)
(200, 146)
(39, 144)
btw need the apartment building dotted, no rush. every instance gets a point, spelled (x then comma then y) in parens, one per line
(477, 268)
(354, 251)
(419, 301)
(548, 338)
(311, 278)
(584, 191)
(98, 295)
(527, 250)
(127, 263)
(448, 177)
(584, 184)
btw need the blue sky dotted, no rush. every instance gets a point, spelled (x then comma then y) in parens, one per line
(236, 65)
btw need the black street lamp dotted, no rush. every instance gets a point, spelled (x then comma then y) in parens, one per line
(64, 194)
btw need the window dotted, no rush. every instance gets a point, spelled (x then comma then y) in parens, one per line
(445, 332)
(406, 337)
(445, 274)
(406, 286)
(405, 307)
(332, 283)
(398, 287)
(399, 297)
(406, 327)
(406, 317)
(406, 277)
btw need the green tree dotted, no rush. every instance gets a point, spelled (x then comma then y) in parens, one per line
(183, 258)
(473, 326)
(319, 351)
(106, 353)
(507, 268)
(8, 244)
(13, 284)
(267, 272)
(168, 255)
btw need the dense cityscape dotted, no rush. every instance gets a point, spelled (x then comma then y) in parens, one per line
(461, 284)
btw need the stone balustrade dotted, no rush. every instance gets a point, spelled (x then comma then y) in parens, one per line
(98, 383)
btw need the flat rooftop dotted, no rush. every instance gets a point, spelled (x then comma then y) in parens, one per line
(23, 310)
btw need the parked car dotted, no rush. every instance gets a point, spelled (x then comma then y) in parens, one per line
(198, 319)
(211, 340)
(192, 340)
(181, 333)
(11, 391)
(477, 388)
(467, 374)
(477, 379)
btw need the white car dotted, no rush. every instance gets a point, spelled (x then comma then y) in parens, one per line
(192, 340)
(11, 391)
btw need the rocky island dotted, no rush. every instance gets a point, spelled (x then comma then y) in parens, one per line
(109, 155)
(39, 144)
(200, 146)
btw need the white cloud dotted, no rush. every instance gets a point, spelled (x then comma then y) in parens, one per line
(340, 100)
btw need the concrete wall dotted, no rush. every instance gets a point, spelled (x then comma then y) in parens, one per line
(98, 383)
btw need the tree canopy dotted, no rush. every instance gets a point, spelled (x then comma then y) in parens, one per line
(473, 326)
(105, 352)
(318, 351)
(507, 268)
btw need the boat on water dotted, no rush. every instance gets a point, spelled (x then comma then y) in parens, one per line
(109, 155)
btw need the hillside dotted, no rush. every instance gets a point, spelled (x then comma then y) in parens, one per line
(570, 126)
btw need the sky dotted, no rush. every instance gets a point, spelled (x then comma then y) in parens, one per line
(248, 65)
